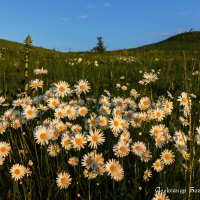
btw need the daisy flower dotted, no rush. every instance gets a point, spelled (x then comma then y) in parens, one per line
(156, 131)
(27, 101)
(76, 128)
(160, 196)
(104, 101)
(146, 156)
(30, 112)
(82, 87)
(82, 111)
(158, 165)
(136, 122)
(125, 137)
(98, 169)
(63, 180)
(78, 141)
(88, 160)
(116, 124)
(70, 112)
(160, 141)
(16, 124)
(112, 166)
(53, 150)
(134, 93)
(167, 157)
(66, 142)
(40, 71)
(9, 114)
(183, 99)
(143, 116)
(158, 114)
(118, 101)
(104, 110)
(183, 121)
(150, 77)
(102, 121)
(117, 111)
(185, 155)
(17, 171)
(144, 103)
(98, 158)
(16, 114)
(73, 161)
(2, 159)
(2, 100)
(88, 174)
(114, 169)
(147, 175)
(35, 84)
(4, 149)
(168, 107)
(150, 114)
(59, 113)
(62, 89)
(17, 102)
(138, 148)
(95, 138)
(53, 102)
(118, 175)
(42, 135)
(121, 149)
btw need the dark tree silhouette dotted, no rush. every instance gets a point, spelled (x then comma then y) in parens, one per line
(99, 48)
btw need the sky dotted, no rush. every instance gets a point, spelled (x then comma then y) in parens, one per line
(74, 25)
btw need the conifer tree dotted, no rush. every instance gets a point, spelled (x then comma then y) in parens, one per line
(100, 46)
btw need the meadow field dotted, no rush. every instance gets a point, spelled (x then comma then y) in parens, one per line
(117, 125)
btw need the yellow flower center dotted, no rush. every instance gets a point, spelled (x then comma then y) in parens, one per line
(60, 114)
(167, 157)
(113, 168)
(69, 112)
(43, 136)
(138, 148)
(17, 172)
(122, 148)
(82, 87)
(94, 138)
(3, 149)
(30, 112)
(116, 123)
(54, 103)
(157, 165)
(79, 141)
(66, 142)
(61, 89)
(64, 180)
(184, 100)
(156, 131)
(55, 133)
(158, 114)
(89, 161)
(118, 112)
(35, 84)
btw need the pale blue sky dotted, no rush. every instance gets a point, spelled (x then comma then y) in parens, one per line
(75, 24)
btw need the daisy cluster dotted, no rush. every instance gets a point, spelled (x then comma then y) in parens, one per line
(69, 120)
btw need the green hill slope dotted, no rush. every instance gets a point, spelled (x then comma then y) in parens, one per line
(188, 41)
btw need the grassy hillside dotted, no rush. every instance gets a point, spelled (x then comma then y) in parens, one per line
(111, 65)
(188, 41)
